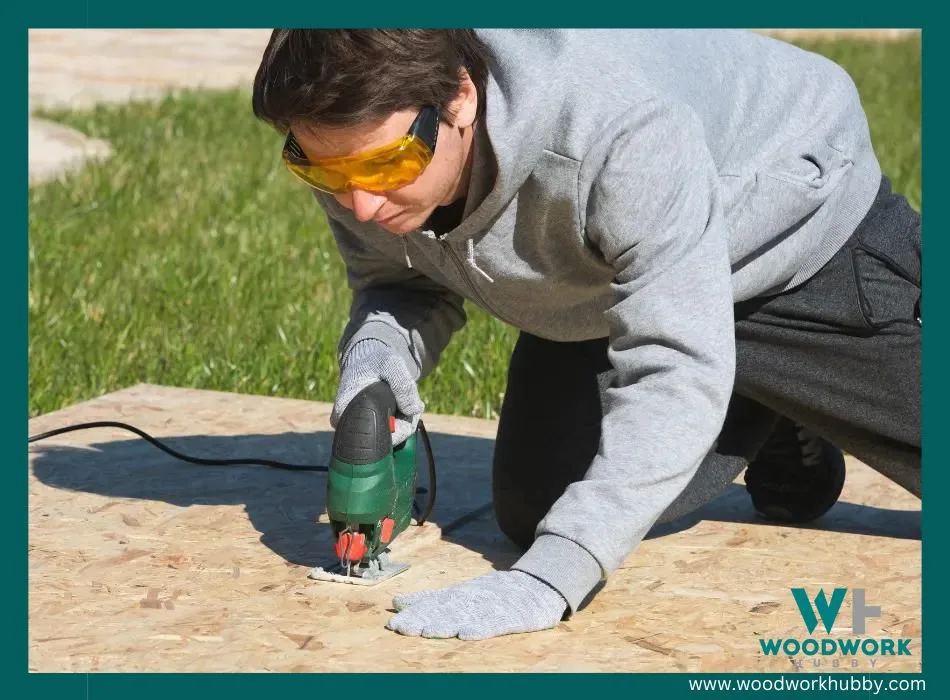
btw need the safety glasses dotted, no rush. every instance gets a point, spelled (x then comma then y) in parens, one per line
(378, 170)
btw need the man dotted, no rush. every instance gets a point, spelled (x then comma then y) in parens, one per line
(693, 234)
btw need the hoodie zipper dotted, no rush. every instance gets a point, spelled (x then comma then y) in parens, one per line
(460, 267)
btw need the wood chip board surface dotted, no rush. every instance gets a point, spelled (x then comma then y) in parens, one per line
(139, 562)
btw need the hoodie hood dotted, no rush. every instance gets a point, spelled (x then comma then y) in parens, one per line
(523, 102)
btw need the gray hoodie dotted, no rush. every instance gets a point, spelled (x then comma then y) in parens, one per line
(630, 185)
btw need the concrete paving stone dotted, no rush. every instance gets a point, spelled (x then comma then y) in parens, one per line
(55, 150)
(82, 67)
(79, 68)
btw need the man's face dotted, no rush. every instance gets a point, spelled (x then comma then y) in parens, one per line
(443, 181)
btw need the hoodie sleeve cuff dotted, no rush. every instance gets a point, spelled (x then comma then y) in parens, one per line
(564, 565)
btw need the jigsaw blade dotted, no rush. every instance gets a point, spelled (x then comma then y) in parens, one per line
(359, 574)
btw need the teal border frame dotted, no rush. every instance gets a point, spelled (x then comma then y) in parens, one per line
(215, 14)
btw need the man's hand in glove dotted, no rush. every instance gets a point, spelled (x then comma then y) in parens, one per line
(370, 361)
(502, 602)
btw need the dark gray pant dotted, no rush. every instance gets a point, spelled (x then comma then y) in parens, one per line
(840, 354)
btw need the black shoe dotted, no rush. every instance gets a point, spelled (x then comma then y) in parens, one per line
(796, 477)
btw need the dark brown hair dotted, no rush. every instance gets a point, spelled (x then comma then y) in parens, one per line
(344, 77)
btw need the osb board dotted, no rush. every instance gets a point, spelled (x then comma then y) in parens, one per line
(139, 562)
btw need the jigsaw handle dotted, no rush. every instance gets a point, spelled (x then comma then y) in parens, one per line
(364, 432)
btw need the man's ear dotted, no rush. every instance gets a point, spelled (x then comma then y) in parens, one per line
(461, 111)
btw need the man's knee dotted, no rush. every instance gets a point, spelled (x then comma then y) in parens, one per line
(516, 523)
(524, 490)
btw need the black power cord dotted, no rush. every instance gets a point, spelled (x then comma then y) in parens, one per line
(430, 502)
(176, 454)
(423, 512)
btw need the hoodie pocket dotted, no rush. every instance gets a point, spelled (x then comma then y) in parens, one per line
(811, 166)
(766, 201)
(774, 194)
(795, 186)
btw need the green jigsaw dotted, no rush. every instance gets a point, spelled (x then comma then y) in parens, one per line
(371, 489)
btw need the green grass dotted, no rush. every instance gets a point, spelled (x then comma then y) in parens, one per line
(191, 258)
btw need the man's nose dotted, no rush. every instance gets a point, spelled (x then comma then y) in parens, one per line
(364, 204)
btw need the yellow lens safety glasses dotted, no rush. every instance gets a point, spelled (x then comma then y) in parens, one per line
(381, 169)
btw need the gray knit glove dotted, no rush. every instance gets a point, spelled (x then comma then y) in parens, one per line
(502, 602)
(367, 362)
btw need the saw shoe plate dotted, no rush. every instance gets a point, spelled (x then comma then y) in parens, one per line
(371, 574)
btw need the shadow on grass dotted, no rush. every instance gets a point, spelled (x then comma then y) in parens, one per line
(284, 506)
